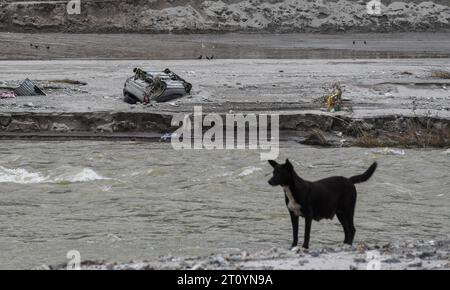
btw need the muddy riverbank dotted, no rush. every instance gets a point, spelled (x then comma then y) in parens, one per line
(306, 128)
(391, 102)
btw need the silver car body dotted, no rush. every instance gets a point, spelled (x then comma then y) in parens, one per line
(174, 87)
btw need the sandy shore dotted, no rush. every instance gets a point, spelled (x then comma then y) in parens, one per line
(412, 256)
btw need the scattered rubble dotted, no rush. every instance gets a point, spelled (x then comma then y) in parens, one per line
(333, 100)
(442, 74)
(7, 94)
(413, 256)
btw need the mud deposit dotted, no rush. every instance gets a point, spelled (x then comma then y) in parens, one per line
(386, 102)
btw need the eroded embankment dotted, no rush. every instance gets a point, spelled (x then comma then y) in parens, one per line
(225, 16)
(307, 128)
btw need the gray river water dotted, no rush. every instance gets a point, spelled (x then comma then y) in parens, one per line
(119, 201)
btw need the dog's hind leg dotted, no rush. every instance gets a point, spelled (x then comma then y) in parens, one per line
(351, 226)
(294, 221)
(345, 226)
(352, 231)
(346, 219)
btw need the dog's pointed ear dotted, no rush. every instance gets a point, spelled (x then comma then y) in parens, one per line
(273, 163)
(289, 164)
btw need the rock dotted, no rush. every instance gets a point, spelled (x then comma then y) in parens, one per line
(314, 254)
(359, 260)
(44, 267)
(392, 260)
(124, 126)
(425, 255)
(417, 264)
(23, 126)
(199, 266)
(5, 120)
(303, 262)
(315, 138)
(60, 127)
(108, 128)
(28, 105)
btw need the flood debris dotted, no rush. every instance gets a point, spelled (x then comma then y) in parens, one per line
(442, 74)
(333, 100)
(28, 88)
(315, 138)
(7, 94)
(146, 86)
(69, 82)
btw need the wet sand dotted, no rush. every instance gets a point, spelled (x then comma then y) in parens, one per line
(16, 46)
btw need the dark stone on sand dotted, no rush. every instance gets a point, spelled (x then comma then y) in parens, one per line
(315, 138)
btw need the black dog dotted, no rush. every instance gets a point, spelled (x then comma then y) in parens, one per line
(320, 199)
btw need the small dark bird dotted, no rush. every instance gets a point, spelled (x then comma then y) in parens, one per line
(31, 44)
(48, 47)
(200, 57)
(365, 42)
(354, 42)
(207, 58)
(212, 57)
(36, 46)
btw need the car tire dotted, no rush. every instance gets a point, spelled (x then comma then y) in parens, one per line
(129, 99)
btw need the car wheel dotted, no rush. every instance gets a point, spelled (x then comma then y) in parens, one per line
(129, 99)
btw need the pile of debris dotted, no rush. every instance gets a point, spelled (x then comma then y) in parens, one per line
(333, 100)
(146, 86)
(26, 88)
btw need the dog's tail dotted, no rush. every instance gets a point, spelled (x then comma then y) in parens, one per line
(365, 176)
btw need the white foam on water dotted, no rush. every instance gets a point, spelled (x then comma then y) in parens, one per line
(249, 170)
(23, 176)
(390, 151)
(85, 175)
(20, 175)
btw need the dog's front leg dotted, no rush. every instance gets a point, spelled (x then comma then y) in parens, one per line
(308, 221)
(294, 221)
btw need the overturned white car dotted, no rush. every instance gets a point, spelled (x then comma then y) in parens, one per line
(157, 86)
